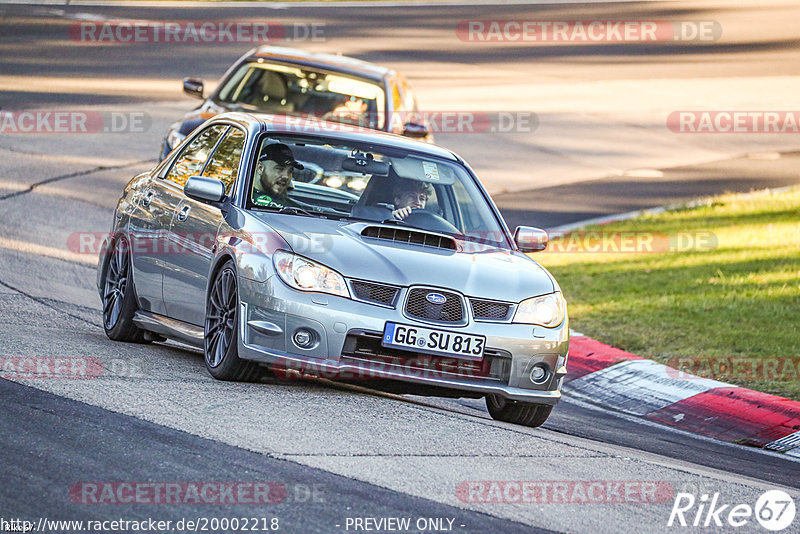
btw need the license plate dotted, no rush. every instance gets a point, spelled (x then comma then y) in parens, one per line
(432, 341)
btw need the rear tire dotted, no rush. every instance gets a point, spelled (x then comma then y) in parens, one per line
(221, 347)
(119, 297)
(520, 413)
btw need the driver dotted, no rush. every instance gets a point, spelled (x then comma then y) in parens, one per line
(409, 195)
(273, 177)
(351, 111)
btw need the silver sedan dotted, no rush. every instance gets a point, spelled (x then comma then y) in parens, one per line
(311, 249)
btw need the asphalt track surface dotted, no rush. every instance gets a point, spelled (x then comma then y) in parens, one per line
(156, 416)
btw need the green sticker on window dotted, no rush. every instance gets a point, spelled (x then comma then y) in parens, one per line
(263, 200)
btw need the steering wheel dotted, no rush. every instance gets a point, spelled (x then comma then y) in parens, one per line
(426, 220)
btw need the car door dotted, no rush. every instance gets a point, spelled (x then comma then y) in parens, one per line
(151, 217)
(169, 187)
(194, 228)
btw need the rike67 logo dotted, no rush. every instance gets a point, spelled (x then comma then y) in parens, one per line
(774, 510)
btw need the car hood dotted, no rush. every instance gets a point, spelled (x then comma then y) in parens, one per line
(478, 271)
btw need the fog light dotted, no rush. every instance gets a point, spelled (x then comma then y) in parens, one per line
(303, 338)
(539, 374)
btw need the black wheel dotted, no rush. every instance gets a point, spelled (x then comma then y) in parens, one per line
(222, 320)
(119, 297)
(520, 413)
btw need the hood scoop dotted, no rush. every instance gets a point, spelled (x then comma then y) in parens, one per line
(412, 237)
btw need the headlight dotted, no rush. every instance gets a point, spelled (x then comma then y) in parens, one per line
(547, 310)
(174, 137)
(307, 275)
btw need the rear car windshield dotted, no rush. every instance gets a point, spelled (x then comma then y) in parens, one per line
(277, 88)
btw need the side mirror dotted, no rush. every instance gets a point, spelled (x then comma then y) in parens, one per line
(208, 190)
(193, 87)
(530, 239)
(415, 130)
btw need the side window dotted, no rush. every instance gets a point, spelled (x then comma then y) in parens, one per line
(191, 161)
(224, 163)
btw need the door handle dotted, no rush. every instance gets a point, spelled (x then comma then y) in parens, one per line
(184, 212)
(147, 198)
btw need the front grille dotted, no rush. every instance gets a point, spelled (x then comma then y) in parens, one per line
(486, 309)
(419, 307)
(413, 237)
(378, 293)
(366, 347)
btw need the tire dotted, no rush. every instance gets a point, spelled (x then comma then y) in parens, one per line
(220, 346)
(520, 413)
(119, 297)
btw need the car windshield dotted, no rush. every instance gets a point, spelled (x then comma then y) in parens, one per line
(310, 176)
(283, 89)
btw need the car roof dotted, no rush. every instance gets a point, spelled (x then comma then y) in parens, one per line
(308, 126)
(337, 63)
(347, 134)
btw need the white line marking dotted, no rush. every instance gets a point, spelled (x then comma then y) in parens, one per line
(589, 405)
(641, 386)
(48, 252)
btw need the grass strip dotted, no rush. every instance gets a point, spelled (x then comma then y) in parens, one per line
(713, 289)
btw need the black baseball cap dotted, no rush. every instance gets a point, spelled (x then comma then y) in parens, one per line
(280, 154)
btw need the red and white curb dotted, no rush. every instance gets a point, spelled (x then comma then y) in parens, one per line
(622, 381)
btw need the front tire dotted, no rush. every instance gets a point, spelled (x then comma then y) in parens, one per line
(221, 348)
(520, 413)
(119, 297)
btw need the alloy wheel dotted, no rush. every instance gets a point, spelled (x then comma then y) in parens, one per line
(116, 284)
(221, 317)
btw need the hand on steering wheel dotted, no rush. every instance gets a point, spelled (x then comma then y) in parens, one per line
(402, 213)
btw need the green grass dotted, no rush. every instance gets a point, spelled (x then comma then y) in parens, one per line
(737, 299)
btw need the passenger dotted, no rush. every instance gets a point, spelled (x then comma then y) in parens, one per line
(273, 177)
(351, 111)
(409, 195)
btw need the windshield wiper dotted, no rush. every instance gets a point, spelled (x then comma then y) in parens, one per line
(292, 210)
(396, 222)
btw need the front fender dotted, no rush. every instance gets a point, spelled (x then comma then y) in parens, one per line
(251, 244)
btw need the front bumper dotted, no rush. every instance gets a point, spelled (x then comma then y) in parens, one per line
(345, 345)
